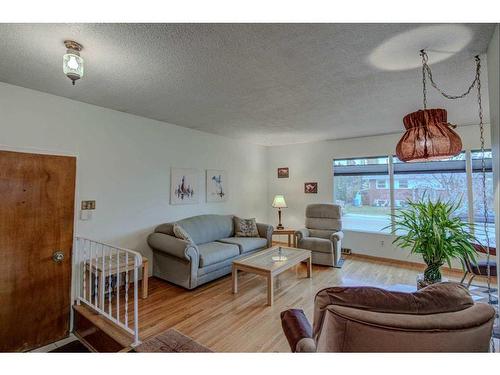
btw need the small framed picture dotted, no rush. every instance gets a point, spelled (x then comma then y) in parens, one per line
(311, 187)
(283, 172)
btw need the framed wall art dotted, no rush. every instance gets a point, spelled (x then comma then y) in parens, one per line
(311, 187)
(184, 187)
(283, 172)
(216, 182)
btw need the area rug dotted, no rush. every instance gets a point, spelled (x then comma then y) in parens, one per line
(171, 341)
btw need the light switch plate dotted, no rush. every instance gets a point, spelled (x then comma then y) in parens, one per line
(85, 215)
(88, 205)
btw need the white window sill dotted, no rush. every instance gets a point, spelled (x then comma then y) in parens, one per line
(385, 233)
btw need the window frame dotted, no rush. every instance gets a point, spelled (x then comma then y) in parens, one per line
(405, 185)
(381, 187)
(468, 165)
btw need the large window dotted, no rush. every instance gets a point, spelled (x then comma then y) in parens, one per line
(443, 179)
(364, 189)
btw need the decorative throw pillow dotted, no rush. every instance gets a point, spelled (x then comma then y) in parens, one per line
(181, 233)
(245, 227)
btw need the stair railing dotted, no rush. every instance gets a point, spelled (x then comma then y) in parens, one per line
(103, 278)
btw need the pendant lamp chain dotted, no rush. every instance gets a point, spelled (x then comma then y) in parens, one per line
(424, 82)
(483, 175)
(426, 71)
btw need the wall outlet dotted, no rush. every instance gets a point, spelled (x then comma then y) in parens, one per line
(88, 205)
(382, 243)
(346, 251)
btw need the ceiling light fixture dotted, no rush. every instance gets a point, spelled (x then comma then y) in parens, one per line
(428, 134)
(72, 61)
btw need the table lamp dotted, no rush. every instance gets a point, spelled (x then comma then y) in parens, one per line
(279, 203)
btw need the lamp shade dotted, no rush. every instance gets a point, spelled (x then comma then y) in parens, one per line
(428, 136)
(279, 201)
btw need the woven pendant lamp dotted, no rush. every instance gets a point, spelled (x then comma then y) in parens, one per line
(428, 136)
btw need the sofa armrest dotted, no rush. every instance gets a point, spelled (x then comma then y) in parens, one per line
(173, 246)
(337, 236)
(302, 233)
(266, 231)
(298, 331)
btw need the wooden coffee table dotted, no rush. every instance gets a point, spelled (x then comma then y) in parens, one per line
(262, 263)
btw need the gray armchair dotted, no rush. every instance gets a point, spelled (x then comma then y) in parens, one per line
(322, 234)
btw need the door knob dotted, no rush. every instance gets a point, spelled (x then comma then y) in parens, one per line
(58, 256)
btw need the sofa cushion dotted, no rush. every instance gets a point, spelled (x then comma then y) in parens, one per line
(245, 227)
(323, 223)
(321, 245)
(166, 228)
(323, 210)
(246, 244)
(179, 232)
(434, 299)
(321, 233)
(324, 216)
(215, 252)
(208, 228)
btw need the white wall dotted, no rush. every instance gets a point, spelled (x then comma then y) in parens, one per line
(124, 163)
(313, 162)
(494, 97)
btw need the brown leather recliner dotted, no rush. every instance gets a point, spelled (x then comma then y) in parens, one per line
(439, 318)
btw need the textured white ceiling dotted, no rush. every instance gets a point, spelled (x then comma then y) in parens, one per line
(270, 84)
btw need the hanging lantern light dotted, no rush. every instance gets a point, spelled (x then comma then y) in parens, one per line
(72, 61)
(428, 136)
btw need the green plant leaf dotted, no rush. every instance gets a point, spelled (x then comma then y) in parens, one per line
(432, 230)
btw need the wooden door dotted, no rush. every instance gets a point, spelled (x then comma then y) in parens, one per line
(37, 195)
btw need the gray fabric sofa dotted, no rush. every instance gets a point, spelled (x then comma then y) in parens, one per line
(323, 234)
(209, 256)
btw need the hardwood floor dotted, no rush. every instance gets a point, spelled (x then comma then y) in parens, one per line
(243, 322)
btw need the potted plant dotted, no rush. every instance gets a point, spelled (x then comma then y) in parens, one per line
(432, 230)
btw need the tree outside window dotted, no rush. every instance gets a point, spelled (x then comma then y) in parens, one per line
(362, 187)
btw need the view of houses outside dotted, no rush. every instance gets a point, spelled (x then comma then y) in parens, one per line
(366, 201)
(364, 207)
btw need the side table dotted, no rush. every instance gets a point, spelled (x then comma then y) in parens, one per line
(292, 241)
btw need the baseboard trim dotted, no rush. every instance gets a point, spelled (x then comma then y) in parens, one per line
(399, 262)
